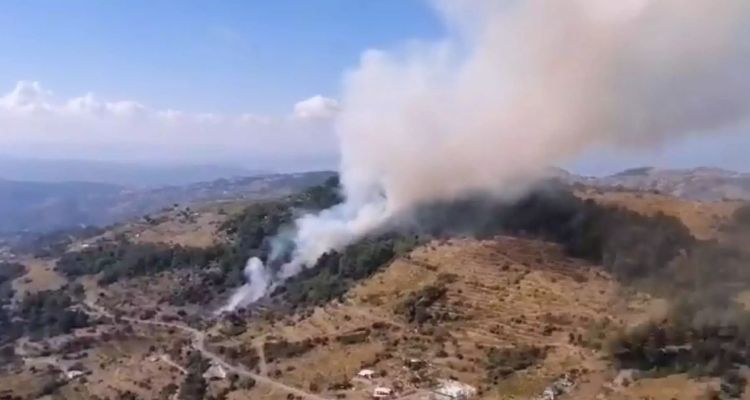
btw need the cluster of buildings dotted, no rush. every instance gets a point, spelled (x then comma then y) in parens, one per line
(445, 389)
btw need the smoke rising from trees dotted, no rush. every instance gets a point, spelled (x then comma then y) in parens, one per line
(518, 86)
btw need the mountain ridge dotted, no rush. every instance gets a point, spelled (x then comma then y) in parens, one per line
(48, 206)
(700, 183)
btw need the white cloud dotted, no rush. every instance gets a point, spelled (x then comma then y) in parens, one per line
(316, 107)
(35, 123)
(90, 105)
(26, 96)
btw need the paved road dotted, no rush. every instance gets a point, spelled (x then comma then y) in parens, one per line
(198, 343)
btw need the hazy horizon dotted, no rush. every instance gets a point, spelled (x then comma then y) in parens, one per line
(223, 86)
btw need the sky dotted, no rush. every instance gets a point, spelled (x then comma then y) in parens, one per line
(252, 83)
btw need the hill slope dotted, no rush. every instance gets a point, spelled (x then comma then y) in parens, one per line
(706, 184)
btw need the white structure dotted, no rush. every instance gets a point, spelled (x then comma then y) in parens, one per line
(73, 373)
(382, 392)
(415, 363)
(454, 390)
(558, 388)
(366, 373)
(215, 371)
(548, 394)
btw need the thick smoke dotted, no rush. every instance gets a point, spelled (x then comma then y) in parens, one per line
(521, 85)
(258, 282)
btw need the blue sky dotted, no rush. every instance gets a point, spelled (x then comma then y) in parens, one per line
(202, 56)
(251, 82)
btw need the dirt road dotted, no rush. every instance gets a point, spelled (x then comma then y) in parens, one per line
(198, 344)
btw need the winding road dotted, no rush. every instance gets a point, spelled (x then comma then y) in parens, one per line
(198, 343)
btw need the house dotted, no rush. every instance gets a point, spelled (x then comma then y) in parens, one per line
(455, 390)
(215, 372)
(366, 373)
(382, 392)
(73, 373)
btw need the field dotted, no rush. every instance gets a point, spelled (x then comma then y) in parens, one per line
(40, 275)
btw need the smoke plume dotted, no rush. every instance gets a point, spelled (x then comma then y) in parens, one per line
(258, 282)
(517, 86)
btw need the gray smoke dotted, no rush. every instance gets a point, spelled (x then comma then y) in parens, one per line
(518, 86)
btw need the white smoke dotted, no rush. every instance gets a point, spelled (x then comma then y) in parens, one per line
(522, 85)
(258, 282)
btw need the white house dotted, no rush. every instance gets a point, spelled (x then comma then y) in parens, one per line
(73, 373)
(366, 373)
(215, 371)
(454, 390)
(382, 392)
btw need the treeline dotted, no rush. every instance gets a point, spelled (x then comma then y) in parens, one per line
(336, 271)
(671, 346)
(684, 344)
(50, 313)
(124, 259)
(706, 332)
(253, 228)
(43, 314)
(634, 247)
(628, 244)
(8, 272)
(194, 386)
(249, 233)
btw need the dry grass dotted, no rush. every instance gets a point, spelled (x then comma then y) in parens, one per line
(40, 276)
(24, 383)
(702, 218)
(668, 388)
(264, 392)
(743, 299)
(197, 228)
(123, 366)
(198, 232)
(506, 292)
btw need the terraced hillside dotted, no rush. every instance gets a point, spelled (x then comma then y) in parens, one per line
(512, 314)
(504, 294)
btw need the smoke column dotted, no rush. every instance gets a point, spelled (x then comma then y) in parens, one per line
(258, 282)
(517, 86)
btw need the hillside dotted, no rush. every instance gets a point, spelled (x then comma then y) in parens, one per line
(44, 207)
(36, 206)
(703, 184)
(587, 296)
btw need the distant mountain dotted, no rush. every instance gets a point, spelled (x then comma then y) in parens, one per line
(117, 173)
(36, 205)
(705, 184)
(45, 207)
